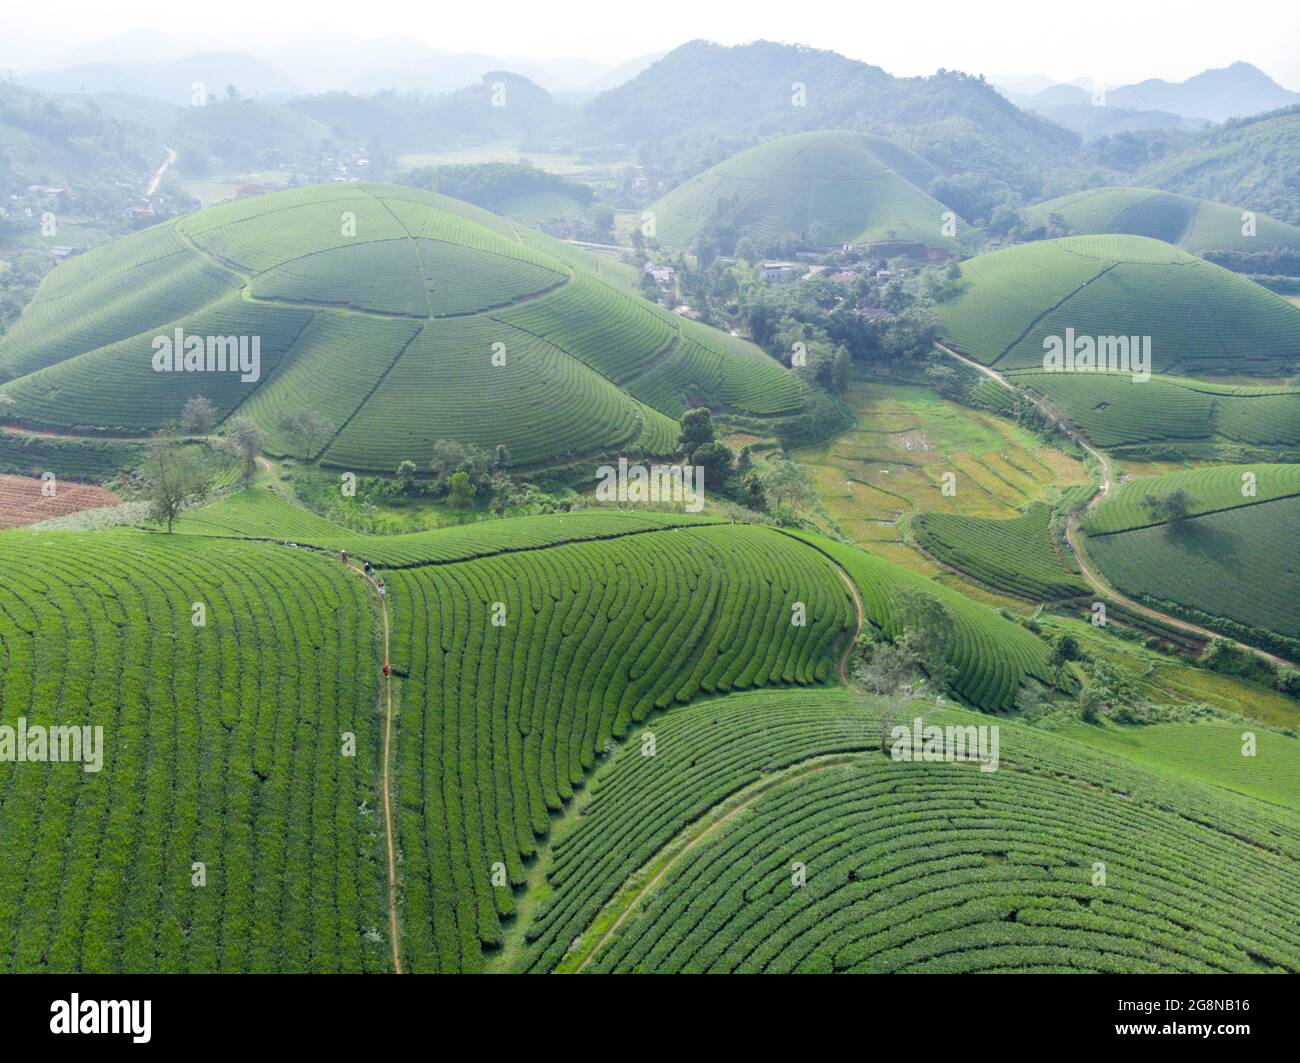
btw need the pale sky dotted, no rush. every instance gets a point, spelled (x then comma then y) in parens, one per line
(1111, 41)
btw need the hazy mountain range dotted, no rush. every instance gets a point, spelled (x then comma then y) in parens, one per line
(314, 64)
(1235, 91)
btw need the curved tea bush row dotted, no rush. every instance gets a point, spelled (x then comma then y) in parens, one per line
(1173, 417)
(338, 359)
(992, 656)
(115, 388)
(222, 745)
(707, 362)
(939, 867)
(69, 459)
(909, 866)
(417, 278)
(258, 513)
(1197, 225)
(1015, 555)
(541, 404)
(1239, 565)
(704, 753)
(592, 320)
(1199, 316)
(1003, 291)
(1210, 751)
(485, 538)
(66, 320)
(500, 723)
(1207, 489)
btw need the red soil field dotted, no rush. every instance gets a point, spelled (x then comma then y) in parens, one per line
(22, 501)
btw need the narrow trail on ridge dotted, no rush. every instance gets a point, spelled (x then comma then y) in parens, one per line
(385, 775)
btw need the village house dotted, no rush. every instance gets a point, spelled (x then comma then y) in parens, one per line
(778, 271)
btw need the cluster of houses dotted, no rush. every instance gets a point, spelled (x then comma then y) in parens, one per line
(664, 276)
(786, 271)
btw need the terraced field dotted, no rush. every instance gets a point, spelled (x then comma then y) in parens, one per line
(87, 460)
(1196, 225)
(221, 747)
(24, 499)
(831, 187)
(399, 317)
(522, 651)
(907, 866)
(891, 466)
(1200, 318)
(1241, 565)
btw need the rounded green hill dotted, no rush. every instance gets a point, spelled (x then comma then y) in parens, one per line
(401, 317)
(829, 188)
(1196, 225)
(1200, 318)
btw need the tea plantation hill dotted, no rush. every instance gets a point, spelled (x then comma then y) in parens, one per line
(830, 188)
(401, 317)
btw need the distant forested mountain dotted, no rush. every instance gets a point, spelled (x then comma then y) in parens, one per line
(172, 80)
(703, 101)
(1254, 162)
(50, 141)
(501, 105)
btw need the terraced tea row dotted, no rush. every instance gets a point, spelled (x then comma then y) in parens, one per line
(1197, 225)
(1244, 758)
(228, 829)
(946, 870)
(1016, 555)
(1238, 565)
(519, 668)
(1165, 417)
(992, 656)
(1206, 490)
(769, 834)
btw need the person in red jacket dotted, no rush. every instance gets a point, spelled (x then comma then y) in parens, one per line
(386, 669)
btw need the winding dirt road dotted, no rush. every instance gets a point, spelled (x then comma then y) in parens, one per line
(1072, 522)
(158, 176)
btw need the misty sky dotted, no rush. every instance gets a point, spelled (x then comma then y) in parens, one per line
(1111, 41)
